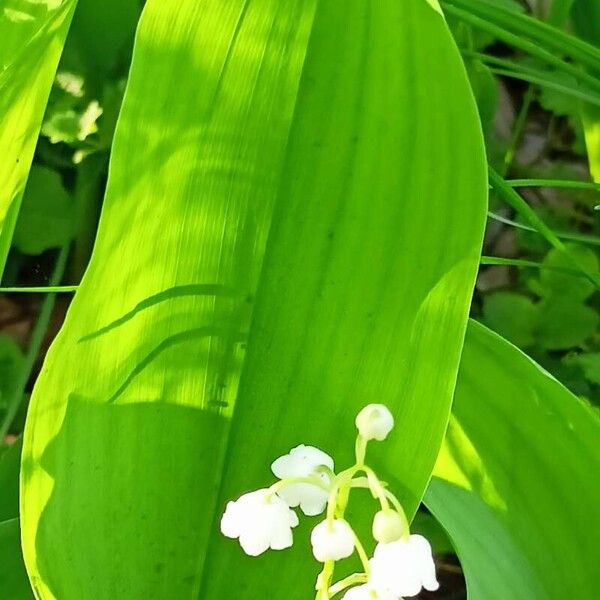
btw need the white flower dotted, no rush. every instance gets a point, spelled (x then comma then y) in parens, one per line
(403, 568)
(332, 540)
(374, 422)
(304, 461)
(388, 526)
(366, 592)
(261, 520)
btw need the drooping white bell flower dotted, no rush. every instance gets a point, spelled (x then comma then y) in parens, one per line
(403, 568)
(366, 592)
(304, 461)
(332, 540)
(374, 422)
(388, 526)
(261, 520)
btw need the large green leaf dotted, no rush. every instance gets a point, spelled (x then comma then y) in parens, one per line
(9, 482)
(516, 482)
(32, 35)
(380, 182)
(586, 18)
(14, 584)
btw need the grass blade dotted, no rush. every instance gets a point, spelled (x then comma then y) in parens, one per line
(31, 41)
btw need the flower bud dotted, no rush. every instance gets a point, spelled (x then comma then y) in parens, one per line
(388, 526)
(332, 540)
(374, 422)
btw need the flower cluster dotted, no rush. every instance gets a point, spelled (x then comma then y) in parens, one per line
(401, 565)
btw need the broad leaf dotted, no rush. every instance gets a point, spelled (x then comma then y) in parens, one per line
(32, 35)
(515, 483)
(9, 482)
(14, 584)
(363, 296)
(45, 220)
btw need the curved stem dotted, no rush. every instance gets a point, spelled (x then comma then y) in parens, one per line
(311, 480)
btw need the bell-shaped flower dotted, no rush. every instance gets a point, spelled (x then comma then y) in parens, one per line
(388, 526)
(261, 520)
(304, 461)
(366, 592)
(332, 540)
(403, 568)
(374, 422)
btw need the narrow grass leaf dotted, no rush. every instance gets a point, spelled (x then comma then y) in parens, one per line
(32, 35)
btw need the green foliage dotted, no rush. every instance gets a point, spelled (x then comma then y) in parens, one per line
(591, 366)
(512, 315)
(11, 362)
(9, 482)
(31, 39)
(46, 216)
(344, 310)
(14, 583)
(337, 140)
(559, 318)
(515, 482)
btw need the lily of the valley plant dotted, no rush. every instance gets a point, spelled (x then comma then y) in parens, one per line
(402, 564)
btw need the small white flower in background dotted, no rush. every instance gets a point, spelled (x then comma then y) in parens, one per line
(374, 422)
(304, 461)
(388, 526)
(261, 520)
(332, 540)
(403, 568)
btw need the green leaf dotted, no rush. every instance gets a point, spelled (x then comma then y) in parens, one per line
(45, 220)
(556, 283)
(428, 526)
(586, 19)
(100, 35)
(590, 363)
(31, 40)
(513, 316)
(565, 323)
(364, 291)
(9, 482)
(14, 584)
(11, 361)
(485, 88)
(515, 484)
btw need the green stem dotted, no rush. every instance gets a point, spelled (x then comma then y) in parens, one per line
(350, 581)
(574, 237)
(311, 479)
(514, 200)
(517, 262)
(49, 289)
(519, 128)
(37, 337)
(554, 183)
(361, 449)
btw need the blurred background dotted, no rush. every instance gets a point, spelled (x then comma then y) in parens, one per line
(525, 291)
